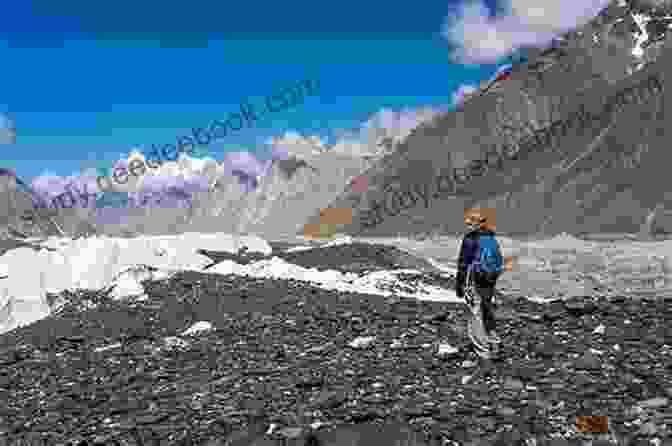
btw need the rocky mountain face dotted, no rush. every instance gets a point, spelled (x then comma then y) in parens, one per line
(574, 141)
(18, 217)
(283, 200)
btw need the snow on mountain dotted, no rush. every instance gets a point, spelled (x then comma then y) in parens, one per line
(372, 283)
(480, 38)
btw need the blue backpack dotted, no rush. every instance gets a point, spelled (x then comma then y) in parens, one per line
(490, 256)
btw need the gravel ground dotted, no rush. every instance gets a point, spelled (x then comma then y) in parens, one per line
(286, 355)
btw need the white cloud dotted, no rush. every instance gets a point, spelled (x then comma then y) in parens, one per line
(481, 39)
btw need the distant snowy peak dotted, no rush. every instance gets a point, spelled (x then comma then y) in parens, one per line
(383, 132)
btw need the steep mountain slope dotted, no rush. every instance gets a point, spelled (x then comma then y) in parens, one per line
(600, 165)
(283, 201)
(18, 216)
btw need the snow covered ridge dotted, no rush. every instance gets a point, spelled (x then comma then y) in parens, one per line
(481, 38)
(118, 266)
(383, 283)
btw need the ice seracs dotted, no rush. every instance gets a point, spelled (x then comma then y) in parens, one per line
(119, 266)
(100, 263)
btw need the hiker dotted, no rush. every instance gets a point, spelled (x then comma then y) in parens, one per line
(480, 264)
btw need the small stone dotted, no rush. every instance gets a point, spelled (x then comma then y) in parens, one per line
(317, 424)
(198, 327)
(513, 384)
(581, 380)
(648, 429)
(396, 344)
(579, 305)
(362, 342)
(600, 329)
(506, 411)
(290, 432)
(548, 346)
(329, 400)
(446, 350)
(654, 403)
(587, 362)
(468, 364)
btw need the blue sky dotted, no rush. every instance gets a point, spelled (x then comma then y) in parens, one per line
(86, 81)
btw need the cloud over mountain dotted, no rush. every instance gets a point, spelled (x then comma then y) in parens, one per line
(481, 38)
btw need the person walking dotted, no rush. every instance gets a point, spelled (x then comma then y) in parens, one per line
(480, 263)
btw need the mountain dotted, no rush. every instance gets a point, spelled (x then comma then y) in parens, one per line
(282, 200)
(18, 216)
(271, 198)
(595, 104)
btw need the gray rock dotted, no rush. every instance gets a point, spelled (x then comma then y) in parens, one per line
(654, 403)
(588, 361)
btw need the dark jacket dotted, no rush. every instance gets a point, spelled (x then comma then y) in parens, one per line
(469, 253)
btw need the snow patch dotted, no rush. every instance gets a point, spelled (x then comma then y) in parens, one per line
(362, 342)
(344, 240)
(198, 327)
(641, 20)
(382, 283)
